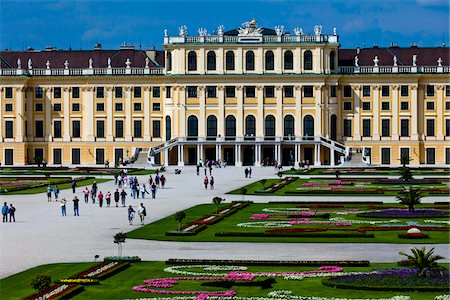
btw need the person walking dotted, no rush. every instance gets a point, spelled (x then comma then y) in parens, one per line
(211, 182)
(74, 185)
(76, 211)
(5, 212)
(56, 191)
(130, 215)
(153, 189)
(142, 212)
(246, 172)
(150, 180)
(249, 172)
(63, 207)
(205, 182)
(157, 180)
(107, 197)
(119, 181)
(143, 191)
(123, 196)
(49, 193)
(86, 194)
(133, 190)
(100, 198)
(163, 181)
(198, 169)
(138, 190)
(11, 212)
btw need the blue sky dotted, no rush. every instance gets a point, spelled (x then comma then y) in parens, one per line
(82, 23)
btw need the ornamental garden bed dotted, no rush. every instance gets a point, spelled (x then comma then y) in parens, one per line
(71, 171)
(374, 171)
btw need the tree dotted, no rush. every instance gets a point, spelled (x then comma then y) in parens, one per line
(243, 192)
(263, 182)
(405, 174)
(119, 238)
(179, 216)
(217, 201)
(404, 160)
(41, 282)
(424, 261)
(409, 197)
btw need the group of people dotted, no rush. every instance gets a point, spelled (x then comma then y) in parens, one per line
(207, 181)
(142, 212)
(248, 172)
(55, 190)
(8, 210)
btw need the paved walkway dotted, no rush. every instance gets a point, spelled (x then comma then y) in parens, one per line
(41, 235)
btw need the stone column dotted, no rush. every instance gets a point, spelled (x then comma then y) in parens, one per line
(48, 114)
(440, 122)
(395, 119)
(180, 155)
(376, 112)
(317, 155)
(29, 114)
(166, 157)
(147, 120)
(279, 114)
(356, 113)
(66, 111)
(88, 114)
(128, 117)
(260, 114)
(220, 117)
(298, 124)
(318, 117)
(240, 112)
(202, 113)
(414, 113)
(109, 114)
(257, 155)
(19, 114)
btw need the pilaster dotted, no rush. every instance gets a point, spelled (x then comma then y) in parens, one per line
(202, 113)
(182, 110)
(298, 111)
(66, 111)
(440, 122)
(318, 117)
(376, 112)
(128, 117)
(279, 118)
(240, 112)
(220, 117)
(19, 110)
(414, 113)
(260, 116)
(147, 120)
(395, 119)
(356, 113)
(109, 114)
(88, 114)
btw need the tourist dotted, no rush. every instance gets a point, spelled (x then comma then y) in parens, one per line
(100, 198)
(115, 179)
(86, 195)
(5, 212)
(130, 215)
(119, 181)
(133, 190)
(153, 189)
(157, 180)
(249, 172)
(74, 185)
(143, 191)
(63, 207)
(11, 212)
(205, 170)
(138, 189)
(246, 172)
(163, 181)
(49, 193)
(56, 191)
(94, 191)
(123, 194)
(150, 181)
(198, 169)
(205, 182)
(108, 198)
(211, 182)
(142, 212)
(76, 211)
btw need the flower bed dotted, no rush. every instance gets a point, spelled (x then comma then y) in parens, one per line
(57, 291)
(414, 236)
(83, 281)
(122, 258)
(404, 213)
(297, 234)
(276, 186)
(226, 262)
(103, 270)
(410, 181)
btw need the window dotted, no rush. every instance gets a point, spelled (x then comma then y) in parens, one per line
(39, 129)
(211, 61)
(384, 91)
(307, 60)
(137, 107)
(230, 126)
(156, 106)
(57, 129)
(100, 129)
(404, 105)
(447, 91)
(250, 61)
(192, 126)
(211, 92)
(75, 106)
(270, 62)
(430, 127)
(211, 126)
(332, 60)
(100, 91)
(192, 61)
(288, 91)
(366, 127)
(9, 156)
(38, 93)
(347, 105)
(156, 92)
(119, 129)
(348, 128)
(8, 107)
(288, 60)
(366, 91)
(308, 125)
(192, 91)
(269, 126)
(333, 91)
(289, 125)
(385, 156)
(447, 156)
(404, 152)
(447, 105)
(137, 129)
(169, 60)
(168, 128)
(168, 92)
(9, 129)
(404, 127)
(385, 105)
(430, 105)
(347, 91)
(308, 91)
(430, 90)
(250, 125)
(57, 92)
(230, 92)
(76, 129)
(269, 91)
(137, 92)
(100, 106)
(99, 156)
(156, 128)
(229, 57)
(76, 156)
(75, 92)
(385, 127)
(447, 127)
(118, 106)
(366, 105)
(39, 107)
(431, 154)
(250, 91)
(57, 156)
(404, 91)
(118, 92)
(8, 92)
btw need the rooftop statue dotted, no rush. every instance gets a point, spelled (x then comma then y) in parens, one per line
(356, 61)
(202, 31)
(66, 64)
(147, 61)
(220, 30)
(298, 31)
(376, 61)
(30, 64)
(166, 33)
(414, 60)
(48, 64)
(183, 30)
(128, 63)
(109, 62)
(19, 64)
(395, 60)
(279, 30)
(90, 63)
(317, 29)
(250, 28)
(334, 31)
(439, 61)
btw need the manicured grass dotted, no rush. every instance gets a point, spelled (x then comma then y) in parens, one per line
(51, 181)
(120, 285)
(377, 171)
(157, 230)
(81, 171)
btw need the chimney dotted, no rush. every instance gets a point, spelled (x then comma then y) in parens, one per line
(98, 47)
(394, 45)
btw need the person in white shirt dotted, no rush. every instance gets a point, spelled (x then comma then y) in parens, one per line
(142, 212)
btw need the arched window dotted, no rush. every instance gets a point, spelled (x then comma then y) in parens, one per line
(230, 126)
(289, 126)
(308, 126)
(288, 60)
(250, 61)
(269, 130)
(270, 65)
(192, 61)
(168, 128)
(307, 60)
(250, 126)
(211, 61)
(192, 127)
(333, 129)
(332, 60)
(211, 127)
(229, 57)
(169, 61)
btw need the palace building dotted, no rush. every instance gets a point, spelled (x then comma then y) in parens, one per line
(242, 96)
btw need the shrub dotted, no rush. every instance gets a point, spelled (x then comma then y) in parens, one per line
(418, 235)
(41, 282)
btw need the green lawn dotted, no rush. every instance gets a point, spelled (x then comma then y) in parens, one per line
(377, 171)
(80, 171)
(120, 285)
(157, 230)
